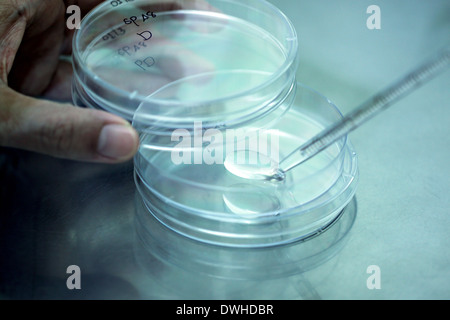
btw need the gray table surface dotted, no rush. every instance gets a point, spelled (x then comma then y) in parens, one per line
(56, 213)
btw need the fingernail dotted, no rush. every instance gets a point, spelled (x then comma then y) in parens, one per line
(117, 141)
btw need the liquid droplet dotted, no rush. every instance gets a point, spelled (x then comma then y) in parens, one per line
(253, 165)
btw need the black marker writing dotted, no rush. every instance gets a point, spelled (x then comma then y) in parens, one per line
(144, 16)
(146, 35)
(131, 50)
(114, 33)
(116, 3)
(146, 63)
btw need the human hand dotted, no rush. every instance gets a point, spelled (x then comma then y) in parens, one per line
(33, 35)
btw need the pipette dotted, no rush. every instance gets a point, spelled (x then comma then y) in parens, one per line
(375, 105)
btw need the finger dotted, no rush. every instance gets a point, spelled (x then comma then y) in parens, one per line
(60, 86)
(37, 56)
(65, 131)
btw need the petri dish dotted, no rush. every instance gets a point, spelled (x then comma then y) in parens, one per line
(202, 200)
(203, 79)
(218, 61)
(180, 262)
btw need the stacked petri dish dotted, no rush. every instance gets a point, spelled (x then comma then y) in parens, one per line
(203, 82)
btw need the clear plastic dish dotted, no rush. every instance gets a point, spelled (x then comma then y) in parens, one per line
(196, 270)
(187, 73)
(211, 60)
(205, 202)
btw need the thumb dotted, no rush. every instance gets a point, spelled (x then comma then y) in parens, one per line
(63, 130)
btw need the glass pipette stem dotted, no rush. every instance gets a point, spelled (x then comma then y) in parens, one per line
(379, 102)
